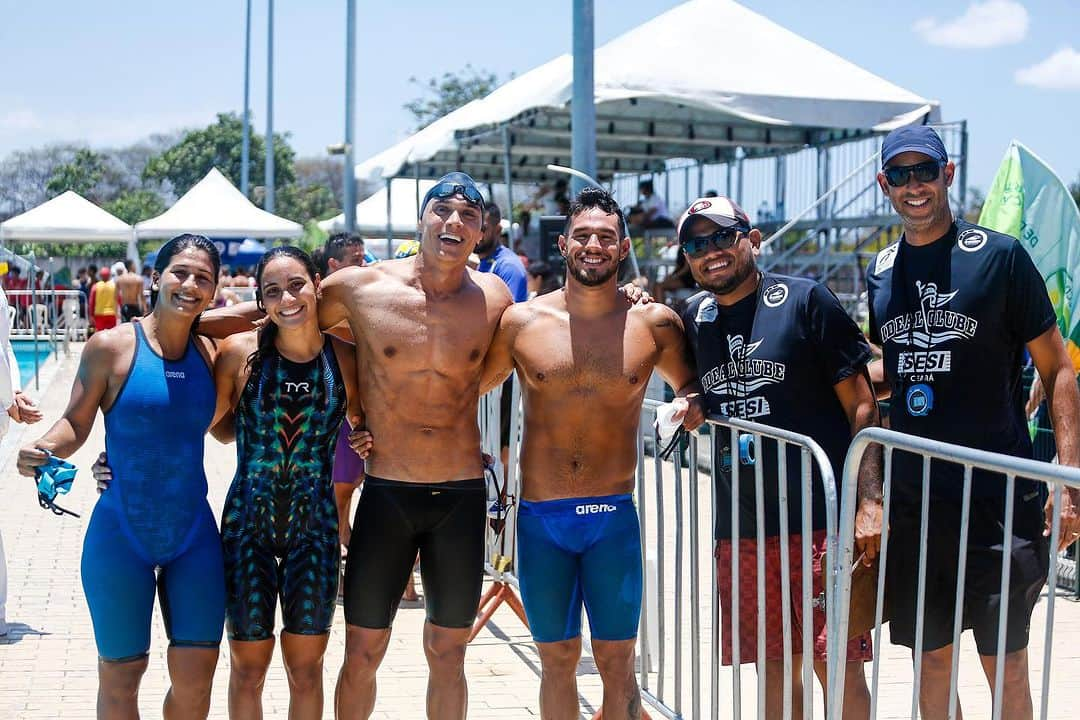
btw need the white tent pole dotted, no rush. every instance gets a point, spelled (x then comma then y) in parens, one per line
(133, 251)
(389, 221)
(509, 178)
(416, 178)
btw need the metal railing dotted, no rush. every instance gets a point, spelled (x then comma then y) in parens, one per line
(1056, 476)
(673, 675)
(52, 318)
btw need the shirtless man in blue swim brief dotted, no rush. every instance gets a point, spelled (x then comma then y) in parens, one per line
(584, 358)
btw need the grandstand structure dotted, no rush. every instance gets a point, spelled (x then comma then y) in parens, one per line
(818, 206)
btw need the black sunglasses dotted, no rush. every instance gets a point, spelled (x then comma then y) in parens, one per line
(723, 239)
(924, 172)
(448, 189)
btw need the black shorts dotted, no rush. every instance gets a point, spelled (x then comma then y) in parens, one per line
(129, 312)
(443, 521)
(1029, 565)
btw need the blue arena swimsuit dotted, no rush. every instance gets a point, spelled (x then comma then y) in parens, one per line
(279, 529)
(576, 551)
(155, 514)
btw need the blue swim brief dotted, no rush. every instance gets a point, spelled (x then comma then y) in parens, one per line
(576, 551)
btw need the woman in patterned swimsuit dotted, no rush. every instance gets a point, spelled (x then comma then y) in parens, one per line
(284, 390)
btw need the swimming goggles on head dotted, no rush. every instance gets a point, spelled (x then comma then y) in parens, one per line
(54, 478)
(449, 189)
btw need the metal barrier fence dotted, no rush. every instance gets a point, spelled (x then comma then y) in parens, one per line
(670, 647)
(1056, 476)
(52, 318)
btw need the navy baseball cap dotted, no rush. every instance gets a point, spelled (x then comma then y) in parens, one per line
(454, 183)
(913, 138)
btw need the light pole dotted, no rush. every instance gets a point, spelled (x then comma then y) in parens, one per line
(349, 180)
(582, 107)
(245, 147)
(268, 204)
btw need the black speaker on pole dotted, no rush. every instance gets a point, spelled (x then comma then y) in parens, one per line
(551, 227)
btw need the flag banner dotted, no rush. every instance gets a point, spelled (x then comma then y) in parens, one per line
(1030, 202)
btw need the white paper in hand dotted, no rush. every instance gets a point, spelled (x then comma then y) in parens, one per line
(666, 424)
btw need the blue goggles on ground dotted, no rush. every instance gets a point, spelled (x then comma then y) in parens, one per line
(449, 189)
(54, 478)
(722, 239)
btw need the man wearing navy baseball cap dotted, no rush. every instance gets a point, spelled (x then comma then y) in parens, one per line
(953, 306)
(782, 351)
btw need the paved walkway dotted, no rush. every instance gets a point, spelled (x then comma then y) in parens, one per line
(47, 664)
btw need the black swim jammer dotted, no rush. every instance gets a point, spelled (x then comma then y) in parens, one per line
(445, 522)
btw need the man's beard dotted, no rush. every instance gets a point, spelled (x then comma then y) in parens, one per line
(484, 247)
(744, 267)
(582, 274)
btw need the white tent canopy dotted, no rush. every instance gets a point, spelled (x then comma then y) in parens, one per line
(215, 208)
(662, 92)
(371, 213)
(67, 218)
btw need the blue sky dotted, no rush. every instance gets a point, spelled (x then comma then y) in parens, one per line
(112, 71)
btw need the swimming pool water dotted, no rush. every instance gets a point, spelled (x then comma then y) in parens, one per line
(24, 353)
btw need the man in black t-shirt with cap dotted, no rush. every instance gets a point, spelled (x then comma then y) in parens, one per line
(953, 306)
(780, 351)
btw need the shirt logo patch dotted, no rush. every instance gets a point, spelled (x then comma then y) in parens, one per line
(925, 329)
(775, 295)
(176, 374)
(741, 376)
(971, 240)
(886, 258)
(297, 387)
(919, 399)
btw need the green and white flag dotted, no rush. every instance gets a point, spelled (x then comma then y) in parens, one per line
(1031, 203)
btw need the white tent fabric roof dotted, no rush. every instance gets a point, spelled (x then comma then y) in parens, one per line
(215, 208)
(661, 93)
(66, 218)
(371, 213)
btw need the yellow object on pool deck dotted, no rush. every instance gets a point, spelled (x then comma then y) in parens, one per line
(3, 267)
(407, 249)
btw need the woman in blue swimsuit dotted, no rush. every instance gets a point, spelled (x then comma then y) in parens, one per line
(154, 530)
(283, 392)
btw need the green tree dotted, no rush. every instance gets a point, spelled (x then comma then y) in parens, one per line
(219, 145)
(81, 174)
(136, 205)
(445, 94)
(302, 203)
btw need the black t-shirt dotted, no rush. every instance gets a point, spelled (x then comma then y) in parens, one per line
(952, 318)
(774, 358)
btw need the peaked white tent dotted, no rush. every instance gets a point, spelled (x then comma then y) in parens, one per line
(371, 214)
(215, 208)
(68, 218)
(695, 82)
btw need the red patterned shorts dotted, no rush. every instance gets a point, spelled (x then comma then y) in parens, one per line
(859, 649)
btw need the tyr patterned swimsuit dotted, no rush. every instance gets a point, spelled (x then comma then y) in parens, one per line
(279, 529)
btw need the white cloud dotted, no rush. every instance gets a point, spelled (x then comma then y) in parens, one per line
(983, 25)
(19, 119)
(1060, 71)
